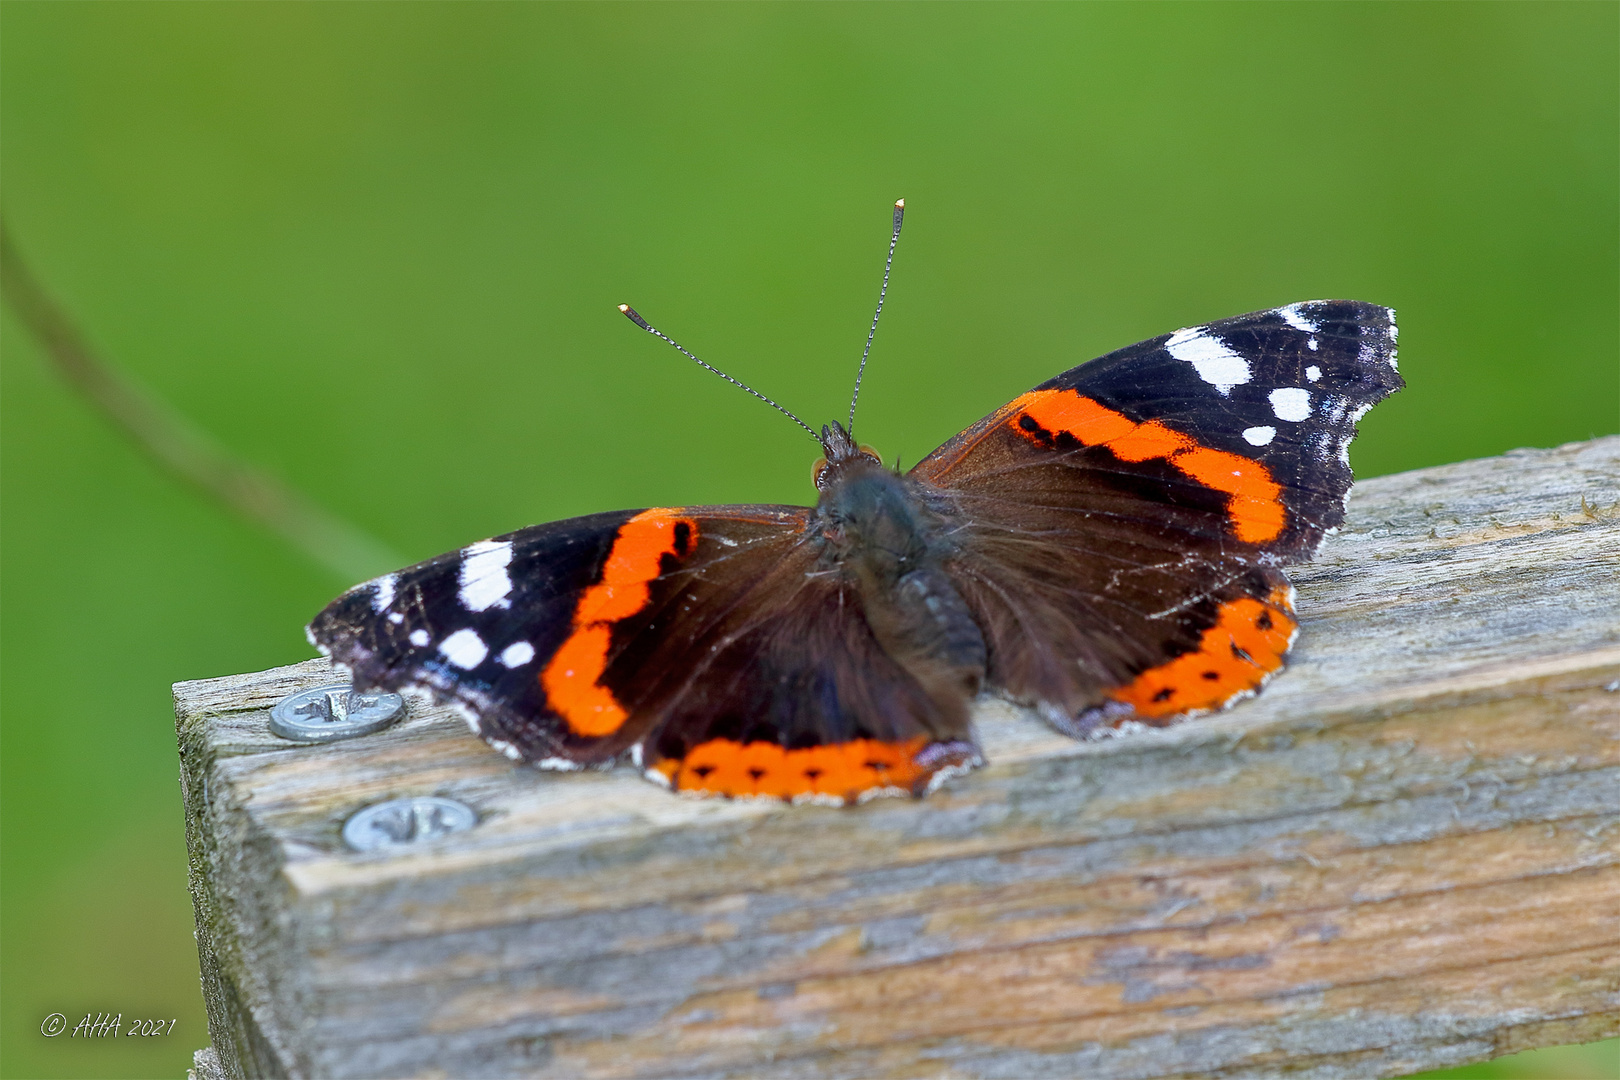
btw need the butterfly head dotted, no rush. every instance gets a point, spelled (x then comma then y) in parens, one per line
(841, 454)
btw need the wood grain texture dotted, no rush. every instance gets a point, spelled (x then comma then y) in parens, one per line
(1405, 854)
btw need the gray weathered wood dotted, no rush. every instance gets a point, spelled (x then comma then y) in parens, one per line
(1402, 855)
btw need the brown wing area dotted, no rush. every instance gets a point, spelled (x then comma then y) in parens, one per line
(714, 647)
(1117, 569)
(788, 694)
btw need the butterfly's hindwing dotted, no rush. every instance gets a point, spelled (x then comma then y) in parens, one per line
(785, 692)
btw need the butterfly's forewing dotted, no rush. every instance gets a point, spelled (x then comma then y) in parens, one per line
(699, 641)
(478, 628)
(1119, 530)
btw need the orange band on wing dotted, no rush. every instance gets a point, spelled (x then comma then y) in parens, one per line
(570, 682)
(1245, 645)
(1252, 495)
(571, 678)
(841, 770)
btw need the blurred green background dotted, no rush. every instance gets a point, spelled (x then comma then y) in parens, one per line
(377, 249)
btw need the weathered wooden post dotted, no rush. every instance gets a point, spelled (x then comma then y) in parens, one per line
(1405, 854)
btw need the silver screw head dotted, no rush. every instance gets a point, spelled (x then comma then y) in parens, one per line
(328, 713)
(402, 822)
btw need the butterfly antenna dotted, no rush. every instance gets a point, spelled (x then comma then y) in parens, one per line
(630, 313)
(899, 213)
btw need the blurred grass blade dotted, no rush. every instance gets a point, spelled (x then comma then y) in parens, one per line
(180, 447)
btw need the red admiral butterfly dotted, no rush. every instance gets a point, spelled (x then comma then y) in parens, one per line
(1106, 548)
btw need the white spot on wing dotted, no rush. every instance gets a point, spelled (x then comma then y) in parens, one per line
(816, 798)
(464, 709)
(1313, 373)
(1370, 352)
(1311, 345)
(484, 581)
(419, 638)
(938, 779)
(517, 654)
(726, 540)
(506, 748)
(395, 617)
(1259, 436)
(464, 648)
(383, 592)
(1291, 403)
(1215, 363)
(889, 792)
(1295, 317)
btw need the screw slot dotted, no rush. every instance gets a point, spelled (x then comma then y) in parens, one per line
(403, 822)
(328, 713)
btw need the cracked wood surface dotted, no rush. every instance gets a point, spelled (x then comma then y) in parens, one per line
(1405, 854)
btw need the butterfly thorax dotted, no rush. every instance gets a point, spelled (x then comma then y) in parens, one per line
(871, 517)
(867, 515)
(879, 535)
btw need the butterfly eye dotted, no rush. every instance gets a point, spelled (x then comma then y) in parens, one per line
(817, 471)
(867, 451)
